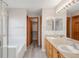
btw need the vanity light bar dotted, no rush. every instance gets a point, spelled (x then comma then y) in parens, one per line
(67, 5)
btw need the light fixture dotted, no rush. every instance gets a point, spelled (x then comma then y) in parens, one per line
(67, 5)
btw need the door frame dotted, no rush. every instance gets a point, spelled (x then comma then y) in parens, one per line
(27, 29)
(40, 31)
(68, 33)
(27, 33)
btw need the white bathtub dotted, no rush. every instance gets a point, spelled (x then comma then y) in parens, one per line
(10, 53)
(14, 51)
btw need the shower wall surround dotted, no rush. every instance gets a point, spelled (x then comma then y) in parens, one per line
(3, 29)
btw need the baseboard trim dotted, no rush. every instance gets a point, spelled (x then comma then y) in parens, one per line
(20, 54)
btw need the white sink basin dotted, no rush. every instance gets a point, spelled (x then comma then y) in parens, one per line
(68, 49)
(63, 48)
(68, 41)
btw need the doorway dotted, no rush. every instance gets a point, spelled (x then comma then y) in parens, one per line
(32, 31)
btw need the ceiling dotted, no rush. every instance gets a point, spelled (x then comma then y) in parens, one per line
(32, 3)
(74, 8)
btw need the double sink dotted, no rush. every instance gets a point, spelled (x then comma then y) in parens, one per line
(70, 47)
(65, 45)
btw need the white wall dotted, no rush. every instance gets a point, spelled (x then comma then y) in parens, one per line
(34, 12)
(17, 28)
(46, 13)
(34, 27)
(75, 13)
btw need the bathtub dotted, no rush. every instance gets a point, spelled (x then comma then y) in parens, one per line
(9, 51)
(13, 51)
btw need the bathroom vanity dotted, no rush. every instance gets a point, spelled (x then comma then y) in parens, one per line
(60, 48)
(66, 23)
(51, 51)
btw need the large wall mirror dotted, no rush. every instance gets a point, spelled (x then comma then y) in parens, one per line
(50, 25)
(58, 24)
(55, 25)
(73, 22)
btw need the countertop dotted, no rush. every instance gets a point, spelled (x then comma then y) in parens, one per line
(56, 42)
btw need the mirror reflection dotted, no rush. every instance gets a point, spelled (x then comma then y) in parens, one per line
(58, 24)
(50, 25)
(73, 22)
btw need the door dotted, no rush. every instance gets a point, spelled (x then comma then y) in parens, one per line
(37, 32)
(29, 31)
(41, 31)
(35, 29)
(75, 27)
(68, 27)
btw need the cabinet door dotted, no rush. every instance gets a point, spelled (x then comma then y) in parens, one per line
(60, 55)
(45, 44)
(51, 51)
(55, 53)
(48, 49)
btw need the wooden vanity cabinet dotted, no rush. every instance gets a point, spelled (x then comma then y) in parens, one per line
(55, 53)
(60, 55)
(48, 49)
(45, 44)
(51, 51)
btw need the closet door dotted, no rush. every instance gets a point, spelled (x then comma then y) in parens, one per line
(75, 27)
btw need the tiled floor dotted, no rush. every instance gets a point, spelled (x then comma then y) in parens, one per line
(34, 52)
